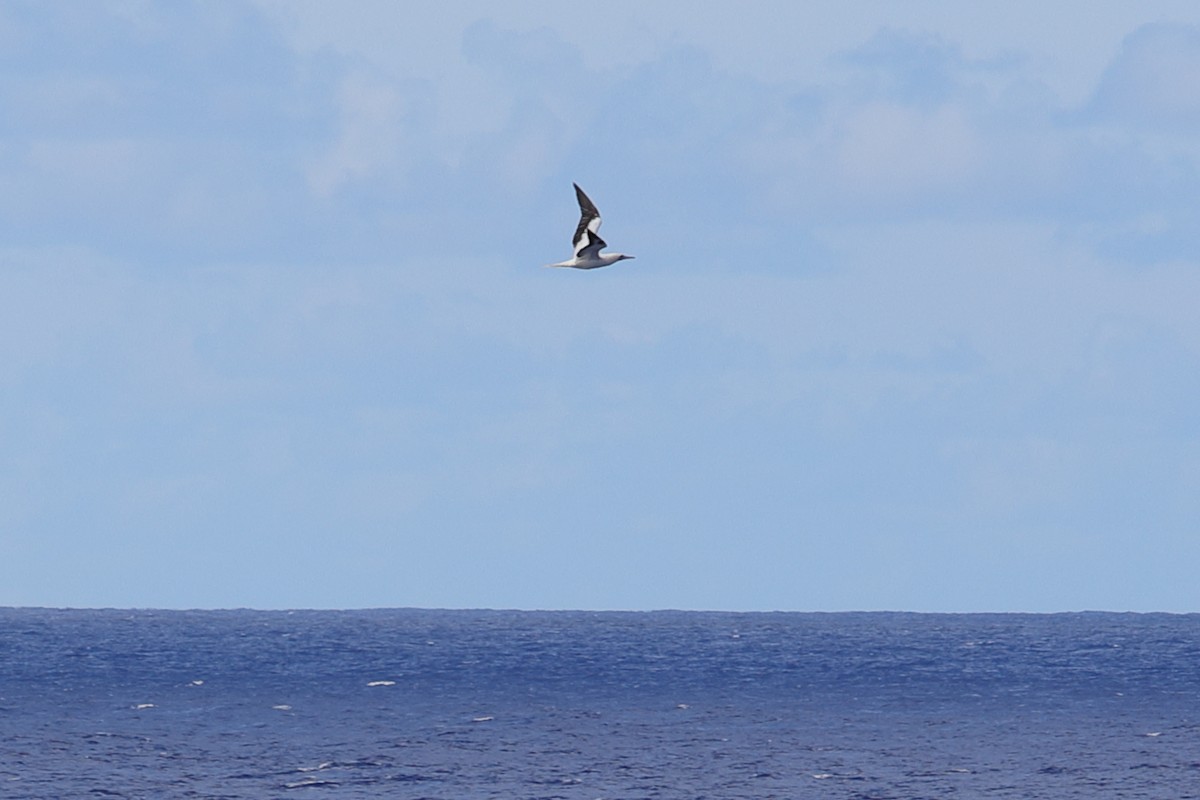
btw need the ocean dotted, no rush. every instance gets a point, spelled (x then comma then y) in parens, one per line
(507, 704)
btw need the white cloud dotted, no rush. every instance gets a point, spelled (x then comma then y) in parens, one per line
(1018, 479)
(110, 166)
(890, 153)
(1155, 80)
(373, 138)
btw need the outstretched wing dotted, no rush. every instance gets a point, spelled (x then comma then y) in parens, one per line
(587, 242)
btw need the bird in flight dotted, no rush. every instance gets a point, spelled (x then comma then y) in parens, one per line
(588, 243)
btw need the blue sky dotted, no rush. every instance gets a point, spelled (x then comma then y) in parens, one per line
(912, 325)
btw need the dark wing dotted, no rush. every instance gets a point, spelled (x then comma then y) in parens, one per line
(586, 237)
(589, 246)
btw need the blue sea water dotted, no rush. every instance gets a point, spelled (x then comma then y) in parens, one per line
(502, 704)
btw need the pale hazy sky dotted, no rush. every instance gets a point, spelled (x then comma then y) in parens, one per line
(914, 321)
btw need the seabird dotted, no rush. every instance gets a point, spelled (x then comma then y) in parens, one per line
(588, 243)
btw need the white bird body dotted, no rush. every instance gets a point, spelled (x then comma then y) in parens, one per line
(588, 243)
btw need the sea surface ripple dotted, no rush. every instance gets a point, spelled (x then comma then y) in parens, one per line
(412, 703)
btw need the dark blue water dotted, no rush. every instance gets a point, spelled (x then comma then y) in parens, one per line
(463, 704)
